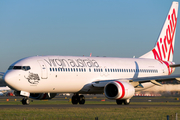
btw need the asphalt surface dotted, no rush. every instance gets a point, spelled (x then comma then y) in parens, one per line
(85, 106)
(138, 101)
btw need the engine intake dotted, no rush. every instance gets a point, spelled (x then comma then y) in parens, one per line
(119, 90)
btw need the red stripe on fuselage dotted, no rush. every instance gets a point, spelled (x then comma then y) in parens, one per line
(123, 89)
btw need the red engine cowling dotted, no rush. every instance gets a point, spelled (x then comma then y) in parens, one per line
(42, 96)
(119, 90)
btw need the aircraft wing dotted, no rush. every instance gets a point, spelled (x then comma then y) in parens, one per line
(157, 78)
(2, 83)
(136, 81)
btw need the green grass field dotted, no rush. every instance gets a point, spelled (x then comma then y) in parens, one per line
(79, 113)
(89, 113)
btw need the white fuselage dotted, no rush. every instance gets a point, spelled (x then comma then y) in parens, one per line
(67, 74)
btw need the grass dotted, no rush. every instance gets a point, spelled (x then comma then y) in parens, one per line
(81, 113)
(89, 113)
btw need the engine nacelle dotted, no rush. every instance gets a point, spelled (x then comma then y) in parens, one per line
(119, 90)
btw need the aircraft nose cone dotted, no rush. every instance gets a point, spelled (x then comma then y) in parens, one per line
(8, 78)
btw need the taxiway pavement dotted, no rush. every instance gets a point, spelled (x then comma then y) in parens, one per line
(137, 100)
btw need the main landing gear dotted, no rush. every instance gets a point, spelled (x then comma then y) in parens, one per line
(25, 101)
(78, 99)
(126, 102)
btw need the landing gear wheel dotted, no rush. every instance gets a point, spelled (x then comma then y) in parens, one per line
(78, 99)
(75, 99)
(119, 102)
(25, 101)
(127, 102)
(81, 99)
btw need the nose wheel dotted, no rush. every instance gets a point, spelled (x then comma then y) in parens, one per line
(78, 99)
(25, 101)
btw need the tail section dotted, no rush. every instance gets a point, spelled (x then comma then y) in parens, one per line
(164, 48)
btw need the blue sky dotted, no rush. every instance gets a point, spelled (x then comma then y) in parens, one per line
(79, 27)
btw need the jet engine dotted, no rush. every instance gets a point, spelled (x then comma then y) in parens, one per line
(119, 90)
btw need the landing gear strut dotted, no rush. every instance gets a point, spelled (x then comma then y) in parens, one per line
(25, 101)
(78, 99)
(126, 102)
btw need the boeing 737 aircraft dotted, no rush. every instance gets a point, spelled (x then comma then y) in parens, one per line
(41, 77)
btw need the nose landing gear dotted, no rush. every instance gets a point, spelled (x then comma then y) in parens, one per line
(25, 101)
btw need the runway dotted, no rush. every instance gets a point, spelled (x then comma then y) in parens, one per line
(63, 106)
(136, 102)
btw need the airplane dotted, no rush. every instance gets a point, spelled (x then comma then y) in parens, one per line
(41, 77)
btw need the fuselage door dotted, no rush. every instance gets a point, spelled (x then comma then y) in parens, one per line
(44, 74)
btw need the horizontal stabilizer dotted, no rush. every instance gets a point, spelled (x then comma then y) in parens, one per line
(175, 65)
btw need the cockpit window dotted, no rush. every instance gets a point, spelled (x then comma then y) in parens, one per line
(25, 68)
(17, 67)
(11, 67)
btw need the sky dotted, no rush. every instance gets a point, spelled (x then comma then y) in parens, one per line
(112, 28)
